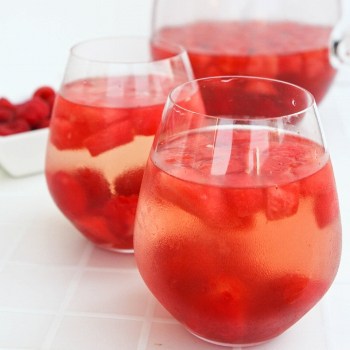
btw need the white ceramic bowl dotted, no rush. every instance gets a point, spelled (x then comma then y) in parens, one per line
(24, 153)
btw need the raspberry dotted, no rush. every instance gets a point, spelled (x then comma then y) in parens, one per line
(29, 115)
(120, 212)
(95, 186)
(7, 110)
(6, 115)
(5, 103)
(14, 126)
(45, 93)
(129, 182)
(43, 123)
(68, 193)
(33, 111)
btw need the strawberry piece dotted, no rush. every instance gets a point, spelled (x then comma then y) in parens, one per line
(68, 193)
(116, 134)
(47, 94)
(14, 126)
(95, 186)
(282, 201)
(129, 182)
(33, 111)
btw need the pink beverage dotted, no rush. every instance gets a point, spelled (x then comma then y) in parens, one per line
(97, 151)
(289, 51)
(239, 247)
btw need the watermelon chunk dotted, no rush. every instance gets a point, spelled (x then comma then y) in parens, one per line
(202, 201)
(116, 134)
(326, 208)
(282, 201)
(147, 119)
(245, 202)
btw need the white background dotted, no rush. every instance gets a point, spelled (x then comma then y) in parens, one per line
(36, 35)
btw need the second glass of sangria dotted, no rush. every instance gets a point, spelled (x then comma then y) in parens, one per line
(104, 119)
(238, 230)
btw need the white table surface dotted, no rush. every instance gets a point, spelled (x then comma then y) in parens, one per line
(59, 292)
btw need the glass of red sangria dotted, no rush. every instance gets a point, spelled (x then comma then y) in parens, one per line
(103, 124)
(238, 231)
(301, 42)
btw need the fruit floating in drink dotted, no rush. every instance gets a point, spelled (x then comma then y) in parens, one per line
(291, 51)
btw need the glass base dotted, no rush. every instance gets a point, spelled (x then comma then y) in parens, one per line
(227, 344)
(111, 248)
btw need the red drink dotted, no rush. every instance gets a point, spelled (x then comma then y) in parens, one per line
(288, 51)
(97, 151)
(238, 248)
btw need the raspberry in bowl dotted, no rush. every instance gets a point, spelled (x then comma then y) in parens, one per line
(24, 131)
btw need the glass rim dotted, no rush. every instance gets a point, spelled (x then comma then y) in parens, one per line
(310, 96)
(175, 49)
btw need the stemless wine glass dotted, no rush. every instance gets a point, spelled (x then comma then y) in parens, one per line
(238, 229)
(104, 120)
(281, 39)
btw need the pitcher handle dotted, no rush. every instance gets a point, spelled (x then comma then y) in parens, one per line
(340, 45)
(341, 49)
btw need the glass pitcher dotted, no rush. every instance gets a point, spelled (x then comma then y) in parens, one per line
(302, 42)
